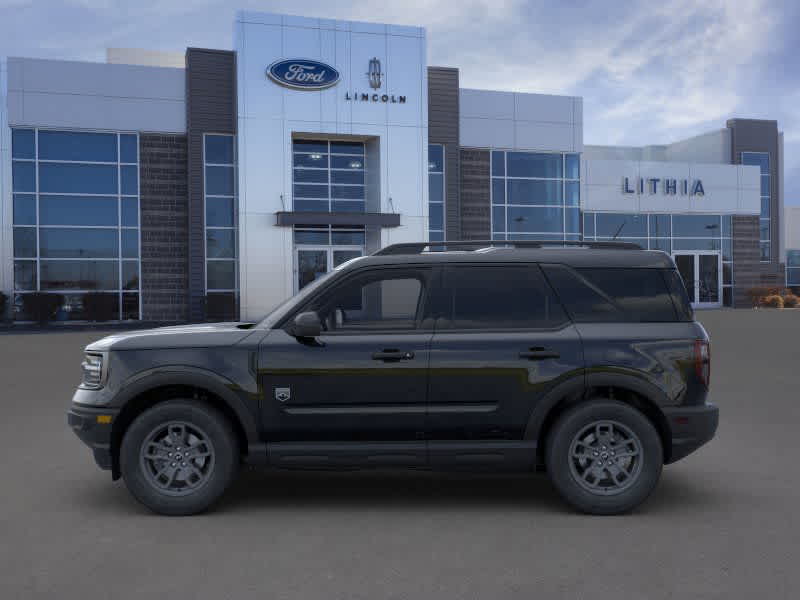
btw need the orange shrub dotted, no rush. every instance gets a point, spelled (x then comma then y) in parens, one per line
(773, 301)
(790, 301)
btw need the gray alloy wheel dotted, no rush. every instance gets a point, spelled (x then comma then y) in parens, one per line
(177, 458)
(605, 457)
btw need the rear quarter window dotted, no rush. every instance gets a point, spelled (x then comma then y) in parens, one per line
(614, 294)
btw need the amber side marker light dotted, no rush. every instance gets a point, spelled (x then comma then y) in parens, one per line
(104, 419)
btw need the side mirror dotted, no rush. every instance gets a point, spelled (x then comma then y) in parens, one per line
(307, 325)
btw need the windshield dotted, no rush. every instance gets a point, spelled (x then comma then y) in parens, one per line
(284, 307)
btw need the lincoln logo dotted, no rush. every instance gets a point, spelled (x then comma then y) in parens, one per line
(374, 74)
(301, 74)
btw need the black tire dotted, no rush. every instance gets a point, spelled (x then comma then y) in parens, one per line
(618, 422)
(208, 479)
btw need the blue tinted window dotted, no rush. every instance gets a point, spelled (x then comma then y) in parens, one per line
(588, 225)
(77, 210)
(219, 212)
(621, 225)
(695, 244)
(765, 185)
(311, 237)
(129, 180)
(130, 243)
(696, 225)
(78, 243)
(313, 175)
(498, 191)
(765, 207)
(130, 275)
(436, 187)
(320, 161)
(25, 242)
(348, 238)
(311, 205)
(526, 219)
(348, 192)
(24, 275)
(347, 148)
(726, 225)
(220, 243)
(221, 274)
(338, 162)
(73, 145)
(498, 163)
(436, 216)
(23, 176)
(357, 177)
(436, 236)
(435, 158)
(663, 244)
(764, 229)
(727, 249)
(310, 191)
(660, 226)
(498, 218)
(348, 206)
(310, 146)
(77, 179)
(219, 149)
(759, 159)
(128, 149)
(572, 189)
(527, 191)
(24, 209)
(80, 275)
(572, 219)
(793, 258)
(23, 143)
(573, 166)
(219, 181)
(529, 164)
(130, 212)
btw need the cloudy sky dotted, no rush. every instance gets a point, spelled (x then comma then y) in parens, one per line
(649, 72)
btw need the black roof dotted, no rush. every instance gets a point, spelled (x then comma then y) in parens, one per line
(589, 254)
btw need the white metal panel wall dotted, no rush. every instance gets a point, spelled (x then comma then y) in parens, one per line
(83, 95)
(729, 189)
(269, 115)
(491, 119)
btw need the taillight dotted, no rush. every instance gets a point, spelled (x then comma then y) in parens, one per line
(702, 361)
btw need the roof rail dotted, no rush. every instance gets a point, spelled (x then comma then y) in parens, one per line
(419, 247)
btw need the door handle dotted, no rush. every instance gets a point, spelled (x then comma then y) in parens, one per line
(392, 355)
(539, 354)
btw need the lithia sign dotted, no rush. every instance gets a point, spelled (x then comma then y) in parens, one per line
(667, 186)
(306, 74)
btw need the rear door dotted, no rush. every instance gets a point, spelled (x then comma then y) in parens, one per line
(502, 341)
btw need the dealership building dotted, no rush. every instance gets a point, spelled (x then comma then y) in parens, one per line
(214, 183)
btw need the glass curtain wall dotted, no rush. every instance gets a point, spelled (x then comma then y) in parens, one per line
(761, 160)
(222, 280)
(793, 268)
(671, 233)
(436, 192)
(76, 221)
(328, 176)
(535, 196)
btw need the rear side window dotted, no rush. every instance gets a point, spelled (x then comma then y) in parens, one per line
(613, 294)
(680, 299)
(499, 297)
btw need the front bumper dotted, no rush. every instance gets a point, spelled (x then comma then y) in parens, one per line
(94, 432)
(692, 426)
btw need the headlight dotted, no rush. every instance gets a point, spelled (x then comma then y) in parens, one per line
(93, 368)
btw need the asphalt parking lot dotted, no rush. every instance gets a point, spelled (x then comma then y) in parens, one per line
(724, 523)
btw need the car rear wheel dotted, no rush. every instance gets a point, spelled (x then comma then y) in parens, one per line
(178, 457)
(604, 457)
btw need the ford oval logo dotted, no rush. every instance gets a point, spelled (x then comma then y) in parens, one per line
(303, 74)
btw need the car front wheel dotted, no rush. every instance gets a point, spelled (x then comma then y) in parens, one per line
(604, 457)
(178, 457)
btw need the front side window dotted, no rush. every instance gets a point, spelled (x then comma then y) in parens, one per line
(375, 301)
(498, 297)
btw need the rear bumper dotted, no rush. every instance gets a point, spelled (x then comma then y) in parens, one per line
(692, 426)
(97, 435)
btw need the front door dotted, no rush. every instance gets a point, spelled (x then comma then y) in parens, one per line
(502, 342)
(702, 275)
(365, 378)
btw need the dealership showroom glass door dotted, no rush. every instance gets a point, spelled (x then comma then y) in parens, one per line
(702, 274)
(312, 262)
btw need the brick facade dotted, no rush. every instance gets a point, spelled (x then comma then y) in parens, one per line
(476, 217)
(164, 227)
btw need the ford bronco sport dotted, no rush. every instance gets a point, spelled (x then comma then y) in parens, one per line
(580, 358)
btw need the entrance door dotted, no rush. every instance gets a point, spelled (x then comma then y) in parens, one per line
(702, 275)
(314, 261)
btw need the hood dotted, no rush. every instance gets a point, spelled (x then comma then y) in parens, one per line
(206, 335)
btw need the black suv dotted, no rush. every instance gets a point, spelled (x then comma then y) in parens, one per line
(583, 359)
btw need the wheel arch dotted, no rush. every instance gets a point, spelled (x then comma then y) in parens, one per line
(627, 388)
(150, 388)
